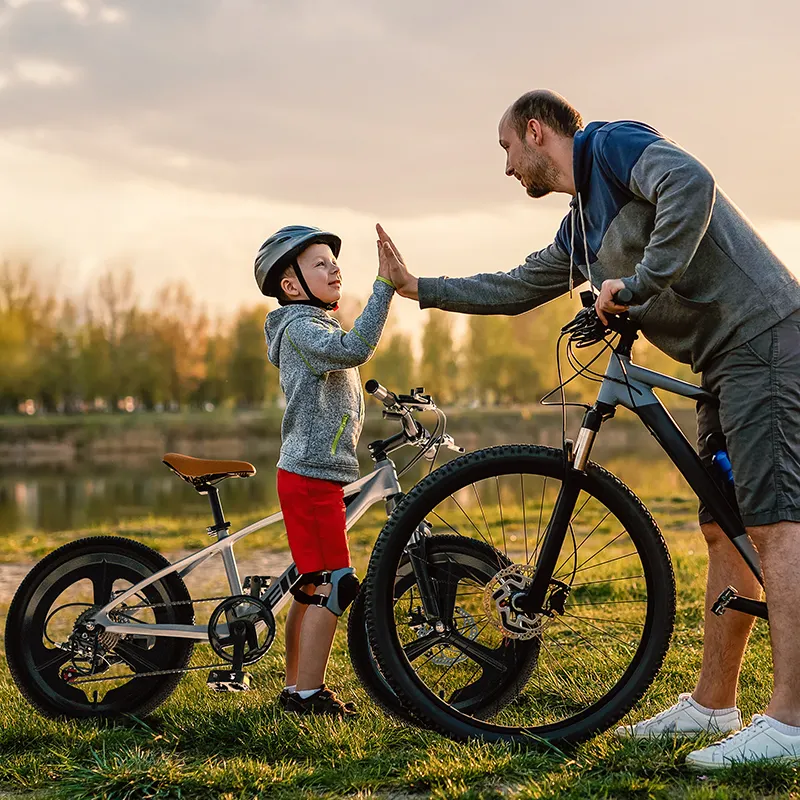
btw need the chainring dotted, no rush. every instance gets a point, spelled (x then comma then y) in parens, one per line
(257, 628)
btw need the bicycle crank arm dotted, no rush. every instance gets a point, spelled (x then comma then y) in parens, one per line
(746, 605)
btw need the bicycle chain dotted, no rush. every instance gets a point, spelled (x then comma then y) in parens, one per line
(157, 673)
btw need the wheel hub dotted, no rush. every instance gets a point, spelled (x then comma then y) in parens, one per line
(465, 624)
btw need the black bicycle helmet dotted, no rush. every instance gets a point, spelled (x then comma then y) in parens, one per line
(282, 249)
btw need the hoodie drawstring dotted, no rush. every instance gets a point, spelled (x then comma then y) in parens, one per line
(572, 244)
(585, 242)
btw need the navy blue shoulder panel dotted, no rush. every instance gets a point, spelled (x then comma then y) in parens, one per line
(619, 146)
(605, 154)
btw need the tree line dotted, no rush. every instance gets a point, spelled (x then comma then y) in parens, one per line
(104, 350)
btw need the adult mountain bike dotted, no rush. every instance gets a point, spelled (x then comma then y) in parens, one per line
(583, 575)
(105, 627)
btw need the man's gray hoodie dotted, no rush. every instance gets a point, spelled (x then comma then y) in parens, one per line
(647, 212)
(318, 363)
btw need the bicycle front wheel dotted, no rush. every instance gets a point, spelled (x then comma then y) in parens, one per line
(611, 600)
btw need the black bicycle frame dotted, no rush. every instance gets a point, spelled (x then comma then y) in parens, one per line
(628, 385)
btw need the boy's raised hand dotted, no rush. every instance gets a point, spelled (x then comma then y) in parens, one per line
(390, 259)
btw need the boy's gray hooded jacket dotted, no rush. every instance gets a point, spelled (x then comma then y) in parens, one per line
(318, 362)
(649, 213)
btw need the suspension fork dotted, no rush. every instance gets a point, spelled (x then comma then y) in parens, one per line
(417, 553)
(532, 601)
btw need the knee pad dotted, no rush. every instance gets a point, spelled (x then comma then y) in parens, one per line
(344, 588)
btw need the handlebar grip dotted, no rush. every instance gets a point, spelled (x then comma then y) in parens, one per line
(380, 392)
(623, 297)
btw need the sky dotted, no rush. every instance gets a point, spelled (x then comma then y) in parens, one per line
(175, 135)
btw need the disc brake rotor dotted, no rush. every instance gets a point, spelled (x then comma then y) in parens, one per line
(497, 603)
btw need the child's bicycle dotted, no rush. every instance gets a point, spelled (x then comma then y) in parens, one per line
(105, 627)
(586, 581)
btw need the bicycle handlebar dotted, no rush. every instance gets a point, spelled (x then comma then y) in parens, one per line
(623, 297)
(400, 407)
(381, 393)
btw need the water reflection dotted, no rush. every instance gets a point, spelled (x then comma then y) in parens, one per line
(86, 494)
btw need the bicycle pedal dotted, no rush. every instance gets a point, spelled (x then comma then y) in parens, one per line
(256, 584)
(724, 600)
(229, 681)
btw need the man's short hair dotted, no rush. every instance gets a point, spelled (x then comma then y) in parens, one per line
(550, 108)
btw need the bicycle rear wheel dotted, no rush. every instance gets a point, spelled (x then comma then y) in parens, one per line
(462, 567)
(612, 600)
(67, 670)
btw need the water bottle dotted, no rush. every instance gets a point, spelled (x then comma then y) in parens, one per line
(719, 455)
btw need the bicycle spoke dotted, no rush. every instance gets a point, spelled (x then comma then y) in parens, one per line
(602, 563)
(419, 646)
(524, 522)
(500, 506)
(480, 505)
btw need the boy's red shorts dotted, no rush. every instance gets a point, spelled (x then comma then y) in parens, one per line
(314, 515)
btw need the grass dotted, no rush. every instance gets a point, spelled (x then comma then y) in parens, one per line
(199, 745)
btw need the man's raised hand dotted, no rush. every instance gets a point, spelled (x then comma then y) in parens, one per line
(404, 282)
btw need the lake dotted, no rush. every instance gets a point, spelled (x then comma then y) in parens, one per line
(128, 483)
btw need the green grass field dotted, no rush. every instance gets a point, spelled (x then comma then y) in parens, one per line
(199, 745)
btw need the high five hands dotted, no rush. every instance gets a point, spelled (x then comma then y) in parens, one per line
(390, 261)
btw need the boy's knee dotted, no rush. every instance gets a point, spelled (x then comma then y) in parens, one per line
(334, 590)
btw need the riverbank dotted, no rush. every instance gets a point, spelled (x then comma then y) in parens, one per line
(99, 438)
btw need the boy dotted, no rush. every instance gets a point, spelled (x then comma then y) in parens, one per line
(318, 364)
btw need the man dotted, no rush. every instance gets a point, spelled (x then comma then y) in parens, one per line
(707, 291)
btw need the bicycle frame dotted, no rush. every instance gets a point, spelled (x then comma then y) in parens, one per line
(631, 386)
(381, 484)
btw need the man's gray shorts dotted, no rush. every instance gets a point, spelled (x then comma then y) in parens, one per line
(758, 386)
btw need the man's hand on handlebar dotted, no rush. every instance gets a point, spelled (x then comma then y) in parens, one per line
(605, 301)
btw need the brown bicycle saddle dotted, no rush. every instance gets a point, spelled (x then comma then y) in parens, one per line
(199, 471)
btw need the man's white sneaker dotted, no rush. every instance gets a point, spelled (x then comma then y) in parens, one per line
(759, 741)
(682, 719)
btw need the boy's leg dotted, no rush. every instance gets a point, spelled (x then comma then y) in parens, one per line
(316, 639)
(294, 624)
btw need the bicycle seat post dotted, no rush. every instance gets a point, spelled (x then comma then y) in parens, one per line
(220, 526)
(220, 530)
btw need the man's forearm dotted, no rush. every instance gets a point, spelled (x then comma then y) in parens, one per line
(543, 276)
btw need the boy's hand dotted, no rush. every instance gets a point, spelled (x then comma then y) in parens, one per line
(391, 260)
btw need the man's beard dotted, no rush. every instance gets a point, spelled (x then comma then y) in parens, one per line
(539, 173)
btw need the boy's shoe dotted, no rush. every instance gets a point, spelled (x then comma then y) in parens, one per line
(682, 719)
(283, 698)
(322, 702)
(759, 741)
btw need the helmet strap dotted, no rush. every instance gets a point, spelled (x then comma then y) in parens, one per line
(312, 299)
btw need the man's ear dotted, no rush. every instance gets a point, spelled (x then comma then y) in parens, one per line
(535, 132)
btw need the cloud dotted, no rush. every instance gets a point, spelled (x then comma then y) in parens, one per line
(111, 15)
(394, 106)
(41, 72)
(78, 8)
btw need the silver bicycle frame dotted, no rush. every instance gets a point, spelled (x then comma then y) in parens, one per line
(380, 484)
